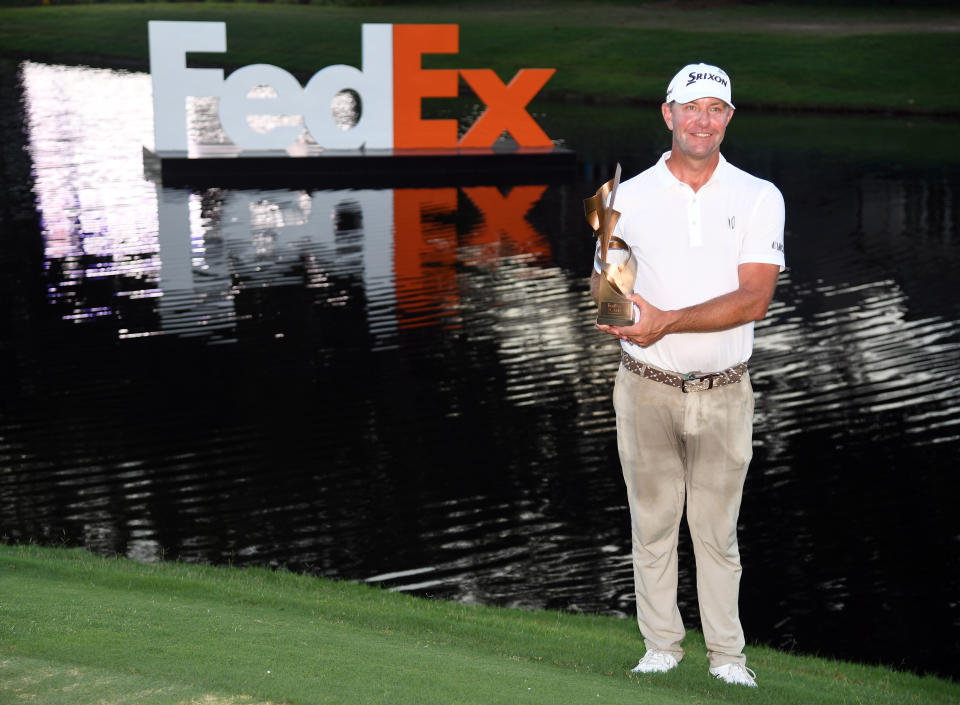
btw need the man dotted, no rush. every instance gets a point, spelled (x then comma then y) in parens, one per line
(708, 238)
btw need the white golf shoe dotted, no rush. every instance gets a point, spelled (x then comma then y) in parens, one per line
(655, 662)
(735, 673)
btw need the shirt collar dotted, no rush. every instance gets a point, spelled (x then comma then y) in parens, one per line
(668, 179)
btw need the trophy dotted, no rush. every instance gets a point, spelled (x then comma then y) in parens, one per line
(617, 265)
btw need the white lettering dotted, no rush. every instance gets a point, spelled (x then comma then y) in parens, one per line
(173, 81)
(374, 85)
(236, 105)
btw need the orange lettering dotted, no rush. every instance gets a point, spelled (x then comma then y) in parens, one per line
(506, 107)
(504, 220)
(412, 83)
(425, 255)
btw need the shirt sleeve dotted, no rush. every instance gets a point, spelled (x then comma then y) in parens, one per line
(763, 240)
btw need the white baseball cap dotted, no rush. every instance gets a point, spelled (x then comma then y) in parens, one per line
(696, 81)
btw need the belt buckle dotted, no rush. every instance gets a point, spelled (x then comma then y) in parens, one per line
(696, 382)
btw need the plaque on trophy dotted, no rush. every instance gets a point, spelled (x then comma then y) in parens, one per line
(614, 259)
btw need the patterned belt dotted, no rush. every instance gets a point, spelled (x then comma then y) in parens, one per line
(692, 382)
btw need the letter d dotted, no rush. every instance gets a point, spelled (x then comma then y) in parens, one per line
(374, 84)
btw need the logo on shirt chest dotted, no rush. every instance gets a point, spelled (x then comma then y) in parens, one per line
(732, 222)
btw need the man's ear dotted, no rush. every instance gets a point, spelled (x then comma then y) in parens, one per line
(667, 115)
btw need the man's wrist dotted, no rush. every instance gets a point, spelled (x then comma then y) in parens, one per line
(672, 322)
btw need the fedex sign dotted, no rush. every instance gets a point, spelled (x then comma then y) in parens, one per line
(391, 84)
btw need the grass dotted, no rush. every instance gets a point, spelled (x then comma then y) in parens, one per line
(854, 57)
(76, 628)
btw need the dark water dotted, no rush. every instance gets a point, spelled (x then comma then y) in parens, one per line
(404, 386)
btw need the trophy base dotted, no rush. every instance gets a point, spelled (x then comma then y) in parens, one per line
(615, 313)
(613, 309)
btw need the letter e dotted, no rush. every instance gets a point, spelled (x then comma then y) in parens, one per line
(236, 105)
(412, 83)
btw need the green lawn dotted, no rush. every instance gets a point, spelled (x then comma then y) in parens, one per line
(813, 56)
(78, 629)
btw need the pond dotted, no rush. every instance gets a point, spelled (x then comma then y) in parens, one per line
(404, 386)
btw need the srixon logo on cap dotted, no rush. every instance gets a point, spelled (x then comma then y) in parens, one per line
(706, 77)
(391, 84)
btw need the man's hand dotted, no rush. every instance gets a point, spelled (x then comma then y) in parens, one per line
(747, 303)
(651, 325)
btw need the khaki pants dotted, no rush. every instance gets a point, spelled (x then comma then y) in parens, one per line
(694, 447)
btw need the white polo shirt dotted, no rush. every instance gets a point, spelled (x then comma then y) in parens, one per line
(688, 247)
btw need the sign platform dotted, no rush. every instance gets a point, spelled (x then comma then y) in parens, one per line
(229, 167)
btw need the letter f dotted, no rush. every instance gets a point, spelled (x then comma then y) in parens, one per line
(173, 81)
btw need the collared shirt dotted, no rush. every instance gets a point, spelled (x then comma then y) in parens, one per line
(689, 246)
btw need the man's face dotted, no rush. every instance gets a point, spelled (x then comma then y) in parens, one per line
(698, 126)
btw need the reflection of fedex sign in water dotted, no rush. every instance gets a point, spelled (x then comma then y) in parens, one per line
(391, 86)
(415, 250)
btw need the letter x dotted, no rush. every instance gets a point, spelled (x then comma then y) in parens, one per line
(506, 107)
(504, 219)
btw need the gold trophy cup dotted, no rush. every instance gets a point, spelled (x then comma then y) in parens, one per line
(618, 266)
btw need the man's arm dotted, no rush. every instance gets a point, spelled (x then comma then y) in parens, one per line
(747, 303)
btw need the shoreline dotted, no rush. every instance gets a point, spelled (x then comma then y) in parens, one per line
(74, 625)
(546, 96)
